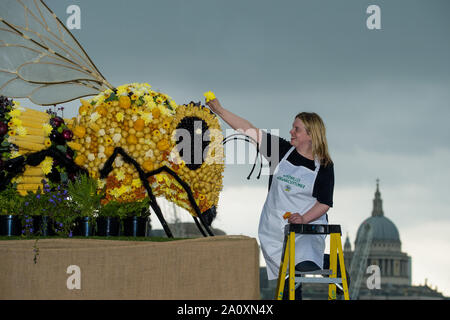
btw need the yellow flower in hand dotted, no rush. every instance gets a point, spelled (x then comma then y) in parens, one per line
(209, 96)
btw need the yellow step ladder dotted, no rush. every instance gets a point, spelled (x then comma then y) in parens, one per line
(288, 259)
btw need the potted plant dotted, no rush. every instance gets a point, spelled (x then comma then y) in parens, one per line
(36, 219)
(85, 199)
(108, 219)
(137, 213)
(10, 204)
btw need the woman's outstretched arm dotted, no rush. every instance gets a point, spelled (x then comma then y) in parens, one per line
(234, 121)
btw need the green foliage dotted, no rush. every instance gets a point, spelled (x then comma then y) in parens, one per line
(10, 200)
(84, 195)
(138, 208)
(111, 209)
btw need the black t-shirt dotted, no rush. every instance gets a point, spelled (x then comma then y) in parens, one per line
(324, 184)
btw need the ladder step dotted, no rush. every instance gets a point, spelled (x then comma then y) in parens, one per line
(318, 280)
(324, 272)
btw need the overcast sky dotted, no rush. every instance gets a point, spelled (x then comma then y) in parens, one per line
(383, 95)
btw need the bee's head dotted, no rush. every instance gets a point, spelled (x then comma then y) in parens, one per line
(199, 144)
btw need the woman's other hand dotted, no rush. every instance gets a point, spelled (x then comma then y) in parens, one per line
(296, 218)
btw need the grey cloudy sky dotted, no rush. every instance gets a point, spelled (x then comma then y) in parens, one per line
(383, 94)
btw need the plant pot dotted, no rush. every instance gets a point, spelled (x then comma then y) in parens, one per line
(108, 226)
(134, 226)
(43, 226)
(84, 227)
(10, 225)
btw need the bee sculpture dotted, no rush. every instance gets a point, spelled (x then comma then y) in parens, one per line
(137, 142)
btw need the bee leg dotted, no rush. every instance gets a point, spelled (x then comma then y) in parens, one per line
(107, 168)
(199, 226)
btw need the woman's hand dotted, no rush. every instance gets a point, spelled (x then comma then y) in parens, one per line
(215, 106)
(296, 218)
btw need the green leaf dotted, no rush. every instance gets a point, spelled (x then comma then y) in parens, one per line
(112, 97)
(62, 148)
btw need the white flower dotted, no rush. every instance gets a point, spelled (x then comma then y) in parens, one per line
(111, 130)
(101, 183)
(101, 149)
(88, 139)
(91, 157)
(162, 131)
(95, 116)
(134, 117)
(101, 155)
(116, 138)
(101, 132)
(149, 153)
(118, 162)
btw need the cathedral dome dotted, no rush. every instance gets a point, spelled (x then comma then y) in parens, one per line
(383, 229)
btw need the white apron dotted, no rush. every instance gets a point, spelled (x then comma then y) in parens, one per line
(291, 190)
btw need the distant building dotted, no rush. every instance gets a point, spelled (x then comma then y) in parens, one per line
(384, 251)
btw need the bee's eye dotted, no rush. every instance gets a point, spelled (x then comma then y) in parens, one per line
(192, 138)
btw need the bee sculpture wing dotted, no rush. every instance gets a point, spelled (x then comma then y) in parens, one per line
(40, 59)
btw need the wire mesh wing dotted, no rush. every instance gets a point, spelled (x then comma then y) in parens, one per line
(40, 59)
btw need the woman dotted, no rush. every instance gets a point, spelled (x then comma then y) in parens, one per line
(302, 183)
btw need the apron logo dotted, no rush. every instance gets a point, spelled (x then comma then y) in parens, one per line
(291, 181)
(287, 188)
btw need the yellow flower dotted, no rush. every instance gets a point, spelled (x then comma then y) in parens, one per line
(147, 117)
(119, 116)
(173, 104)
(47, 142)
(156, 132)
(15, 113)
(135, 109)
(159, 100)
(108, 140)
(47, 165)
(166, 124)
(149, 101)
(115, 192)
(124, 189)
(16, 121)
(122, 90)
(134, 97)
(136, 183)
(11, 133)
(209, 96)
(47, 128)
(120, 175)
(15, 154)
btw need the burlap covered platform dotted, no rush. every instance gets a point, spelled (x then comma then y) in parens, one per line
(222, 267)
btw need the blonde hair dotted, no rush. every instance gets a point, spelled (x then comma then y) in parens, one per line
(316, 129)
